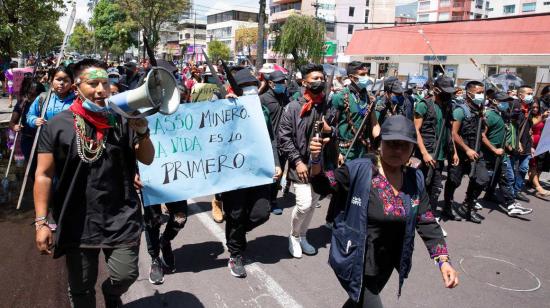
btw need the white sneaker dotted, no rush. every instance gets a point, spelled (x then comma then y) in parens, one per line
(306, 246)
(518, 208)
(294, 246)
(478, 206)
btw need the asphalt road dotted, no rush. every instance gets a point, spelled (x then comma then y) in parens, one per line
(502, 263)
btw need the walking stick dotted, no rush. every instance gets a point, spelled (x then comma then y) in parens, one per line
(364, 122)
(44, 108)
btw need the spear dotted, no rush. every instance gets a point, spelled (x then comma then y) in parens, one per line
(44, 108)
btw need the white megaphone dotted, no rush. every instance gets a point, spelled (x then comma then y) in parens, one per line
(158, 93)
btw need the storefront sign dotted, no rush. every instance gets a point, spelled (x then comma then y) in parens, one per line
(433, 58)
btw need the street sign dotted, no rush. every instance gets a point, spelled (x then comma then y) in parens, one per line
(329, 49)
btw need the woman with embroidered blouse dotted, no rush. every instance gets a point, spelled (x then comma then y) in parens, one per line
(381, 204)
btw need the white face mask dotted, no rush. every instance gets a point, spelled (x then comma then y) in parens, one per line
(250, 90)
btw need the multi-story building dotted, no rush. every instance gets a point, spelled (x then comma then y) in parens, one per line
(444, 10)
(502, 8)
(222, 26)
(406, 13)
(192, 38)
(168, 45)
(341, 18)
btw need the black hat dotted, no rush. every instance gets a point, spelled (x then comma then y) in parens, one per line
(130, 64)
(277, 76)
(393, 85)
(245, 76)
(398, 127)
(502, 96)
(445, 83)
(354, 66)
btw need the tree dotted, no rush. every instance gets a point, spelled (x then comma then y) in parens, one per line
(261, 36)
(80, 38)
(245, 38)
(112, 28)
(150, 15)
(218, 50)
(30, 25)
(302, 37)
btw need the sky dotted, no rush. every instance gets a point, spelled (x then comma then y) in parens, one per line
(202, 7)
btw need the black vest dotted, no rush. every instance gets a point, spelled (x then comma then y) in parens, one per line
(468, 129)
(429, 127)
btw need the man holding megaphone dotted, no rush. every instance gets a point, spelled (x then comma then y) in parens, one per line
(91, 152)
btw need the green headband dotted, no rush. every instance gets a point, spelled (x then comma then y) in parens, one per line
(95, 73)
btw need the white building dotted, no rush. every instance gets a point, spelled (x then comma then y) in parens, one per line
(444, 10)
(502, 8)
(192, 38)
(222, 26)
(341, 18)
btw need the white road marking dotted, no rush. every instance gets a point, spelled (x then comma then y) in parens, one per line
(272, 287)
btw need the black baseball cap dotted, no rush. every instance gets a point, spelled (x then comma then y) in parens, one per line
(277, 76)
(245, 76)
(502, 96)
(398, 127)
(354, 66)
(445, 83)
(393, 85)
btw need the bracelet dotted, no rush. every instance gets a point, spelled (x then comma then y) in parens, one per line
(38, 219)
(40, 225)
(440, 261)
(316, 161)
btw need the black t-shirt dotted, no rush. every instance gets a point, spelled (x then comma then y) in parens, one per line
(23, 108)
(95, 205)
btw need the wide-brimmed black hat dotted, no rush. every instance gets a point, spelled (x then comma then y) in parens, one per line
(245, 76)
(445, 83)
(398, 127)
(277, 76)
(393, 85)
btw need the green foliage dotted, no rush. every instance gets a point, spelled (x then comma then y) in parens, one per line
(81, 38)
(302, 37)
(112, 28)
(29, 26)
(150, 15)
(218, 50)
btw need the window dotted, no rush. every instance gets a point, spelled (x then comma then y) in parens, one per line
(509, 9)
(423, 17)
(351, 11)
(443, 16)
(367, 3)
(479, 4)
(444, 3)
(350, 29)
(423, 5)
(330, 27)
(187, 36)
(367, 16)
(528, 7)
(546, 3)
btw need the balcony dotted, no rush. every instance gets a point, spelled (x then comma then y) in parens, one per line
(280, 16)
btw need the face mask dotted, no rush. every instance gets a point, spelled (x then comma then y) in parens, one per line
(478, 99)
(250, 90)
(528, 99)
(398, 99)
(503, 106)
(90, 106)
(363, 82)
(279, 88)
(113, 80)
(316, 87)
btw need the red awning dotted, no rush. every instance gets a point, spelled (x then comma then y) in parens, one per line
(526, 35)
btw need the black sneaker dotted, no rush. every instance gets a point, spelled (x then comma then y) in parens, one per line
(167, 255)
(521, 197)
(156, 275)
(236, 266)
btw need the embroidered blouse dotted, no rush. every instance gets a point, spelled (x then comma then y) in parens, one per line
(386, 220)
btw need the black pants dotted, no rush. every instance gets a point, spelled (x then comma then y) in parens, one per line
(475, 185)
(245, 209)
(370, 295)
(436, 184)
(153, 221)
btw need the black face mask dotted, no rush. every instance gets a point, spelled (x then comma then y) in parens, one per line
(316, 87)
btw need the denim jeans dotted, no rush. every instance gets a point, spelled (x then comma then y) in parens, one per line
(509, 173)
(521, 170)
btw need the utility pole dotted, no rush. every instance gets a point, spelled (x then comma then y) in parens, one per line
(316, 5)
(261, 34)
(194, 36)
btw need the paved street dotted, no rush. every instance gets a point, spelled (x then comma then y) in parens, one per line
(499, 262)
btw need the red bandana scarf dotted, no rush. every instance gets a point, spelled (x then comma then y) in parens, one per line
(97, 120)
(311, 100)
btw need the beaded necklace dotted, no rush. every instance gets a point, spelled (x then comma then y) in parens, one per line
(89, 149)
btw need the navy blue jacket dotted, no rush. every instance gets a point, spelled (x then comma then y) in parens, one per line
(349, 236)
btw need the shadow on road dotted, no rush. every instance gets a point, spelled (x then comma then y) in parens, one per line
(199, 257)
(170, 299)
